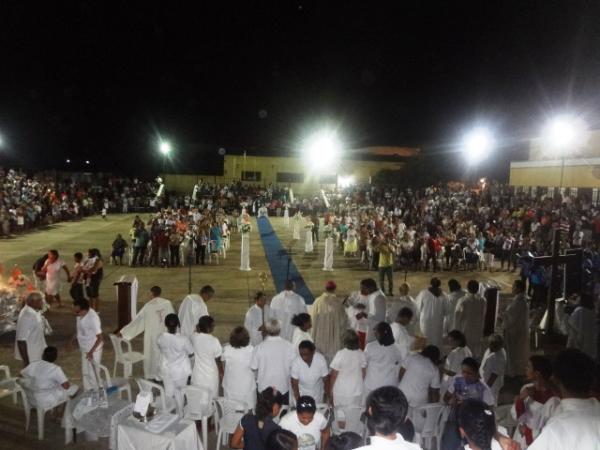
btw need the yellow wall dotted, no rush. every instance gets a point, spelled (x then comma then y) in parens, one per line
(269, 167)
(580, 176)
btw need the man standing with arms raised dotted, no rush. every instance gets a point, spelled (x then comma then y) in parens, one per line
(192, 308)
(286, 305)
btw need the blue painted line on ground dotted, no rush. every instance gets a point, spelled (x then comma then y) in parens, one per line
(277, 256)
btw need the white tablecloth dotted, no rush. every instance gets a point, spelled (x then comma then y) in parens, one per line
(181, 435)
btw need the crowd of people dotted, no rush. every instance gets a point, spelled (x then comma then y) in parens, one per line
(359, 352)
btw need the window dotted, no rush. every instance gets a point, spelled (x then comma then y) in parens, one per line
(290, 177)
(250, 176)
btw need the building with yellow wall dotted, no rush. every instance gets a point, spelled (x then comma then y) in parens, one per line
(293, 172)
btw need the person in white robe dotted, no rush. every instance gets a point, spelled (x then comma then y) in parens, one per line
(286, 305)
(174, 366)
(456, 292)
(330, 321)
(309, 373)
(150, 320)
(432, 307)
(47, 382)
(395, 304)
(493, 365)
(245, 230)
(302, 324)
(308, 233)
(420, 381)
(286, 217)
(192, 308)
(375, 307)
(348, 370)
(239, 380)
(272, 360)
(582, 328)
(469, 317)
(51, 272)
(383, 359)
(402, 338)
(515, 323)
(296, 226)
(574, 425)
(208, 367)
(90, 340)
(329, 245)
(256, 317)
(30, 340)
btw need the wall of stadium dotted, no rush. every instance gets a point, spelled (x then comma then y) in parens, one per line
(283, 171)
(578, 173)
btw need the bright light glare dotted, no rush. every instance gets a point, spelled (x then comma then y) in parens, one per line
(322, 149)
(165, 148)
(478, 144)
(564, 134)
(345, 181)
(68, 161)
(87, 161)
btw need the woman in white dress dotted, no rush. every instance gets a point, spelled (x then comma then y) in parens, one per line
(239, 381)
(207, 353)
(296, 227)
(174, 358)
(383, 359)
(245, 229)
(51, 272)
(328, 257)
(348, 370)
(308, 241)
(302, 324)
(286, 217)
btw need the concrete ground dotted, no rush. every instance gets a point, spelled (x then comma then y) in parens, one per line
(234, 289)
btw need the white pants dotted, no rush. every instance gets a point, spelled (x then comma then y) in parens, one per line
(87, 370)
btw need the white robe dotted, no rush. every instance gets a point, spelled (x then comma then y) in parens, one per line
(328, 257)
(205, 373)
(469, 318)
(583, 331)
(284, 306)
(308, 242)
(396, 304)
(286, 218)
(254, 320)
(432, 311)
(150, 321)
(239, 381)
(453, 298)
(174, 366)
(376, 309)
(190, 310)
(296, 230)
(245, 252)
(516, 335)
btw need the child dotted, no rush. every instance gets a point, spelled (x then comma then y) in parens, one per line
(493, 365)
(459, 352)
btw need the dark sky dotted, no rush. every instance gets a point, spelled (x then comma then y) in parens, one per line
(100, 80)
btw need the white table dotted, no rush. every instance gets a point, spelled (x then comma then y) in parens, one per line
(180, 435)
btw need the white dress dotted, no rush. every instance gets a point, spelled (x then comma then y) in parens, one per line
(296, 229)
(310, 378)
(328, 257)
(494, 362)
(286, 217)
(308, 242)
(174, 366)
(207, 349)
(239, 381)
(191, 309)
(53, 276)
(245, 252)
(284, 306)
(348, 388)
(383, 366)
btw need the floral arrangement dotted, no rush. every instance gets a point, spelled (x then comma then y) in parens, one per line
(309, 226)
(328, 231)
(245, 228)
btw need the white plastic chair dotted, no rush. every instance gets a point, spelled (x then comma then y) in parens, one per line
(198, 405)
(229, 412)
(121, 383)
(211, 252)
(348, 418)
(161, 401)
(10, 386)
(429, 417)
(128, 358)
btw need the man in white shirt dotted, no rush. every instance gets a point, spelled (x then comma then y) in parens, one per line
(576, 423)
(387, 408)
(150, 321)
(432, 307)
(469, 317)
(256, 317)
(402, 337)
(272, 359)
(286, 305)
(310, 373)
(30, 341)
(89, 338)
(455, 294)
(192, 308)
(376, 306)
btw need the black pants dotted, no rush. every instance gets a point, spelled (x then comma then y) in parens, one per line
(200, 254)
(383, 273)
(174, 250)
(138, 253)
(76, 291)
(315, 234)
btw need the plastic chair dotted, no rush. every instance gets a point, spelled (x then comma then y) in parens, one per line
(121, 383)
(198, 405)
(212, 252)
(429, 416)
(128, 358)
(10, 386)
(161, 401)
(348, 418)
(229, 412)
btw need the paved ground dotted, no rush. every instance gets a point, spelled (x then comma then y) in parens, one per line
(233, 291)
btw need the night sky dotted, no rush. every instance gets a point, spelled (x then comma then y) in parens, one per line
(102, 80)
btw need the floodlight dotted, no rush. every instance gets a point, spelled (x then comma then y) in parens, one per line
(477, 145)
(322, 149)
(345, 181)
(164, 147)
(68, 161)
(564, 134)
(87, 161)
